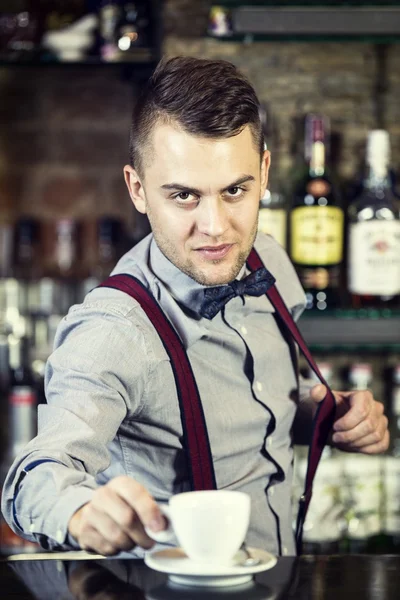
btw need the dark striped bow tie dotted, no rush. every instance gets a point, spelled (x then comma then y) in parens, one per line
(255, 284)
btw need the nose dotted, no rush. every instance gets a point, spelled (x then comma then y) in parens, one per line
(212, 217)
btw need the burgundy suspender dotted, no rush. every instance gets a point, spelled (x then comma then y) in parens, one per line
(324, 417)
(195, 435)
(196, 442)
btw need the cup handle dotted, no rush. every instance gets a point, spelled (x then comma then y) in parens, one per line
(166, 535)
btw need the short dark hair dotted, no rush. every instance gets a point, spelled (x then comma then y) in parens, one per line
(208, 98)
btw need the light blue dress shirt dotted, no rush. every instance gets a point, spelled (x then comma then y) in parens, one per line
(112, 405)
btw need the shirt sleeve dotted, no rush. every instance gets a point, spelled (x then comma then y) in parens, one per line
(94, 378)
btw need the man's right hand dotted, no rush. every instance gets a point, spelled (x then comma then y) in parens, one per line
(115, 518)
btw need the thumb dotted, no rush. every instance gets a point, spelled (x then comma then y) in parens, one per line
(318, 392)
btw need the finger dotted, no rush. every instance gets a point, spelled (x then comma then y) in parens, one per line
(318, 392)
(112, 532)
(361, 404)
(356, 439)
(378, 448)
(92, 541)
(138, 498)
(123, 516)
(367, 427)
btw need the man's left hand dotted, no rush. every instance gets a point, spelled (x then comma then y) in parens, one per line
(360, 424)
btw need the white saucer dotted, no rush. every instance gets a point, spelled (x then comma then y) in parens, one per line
(183, 571)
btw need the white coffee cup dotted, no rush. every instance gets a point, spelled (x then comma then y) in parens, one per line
(210, 526)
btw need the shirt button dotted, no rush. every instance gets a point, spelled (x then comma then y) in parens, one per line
(59, 536)
(271, 491)
(269, 441)
(32, 527)
(284, 551)
(259, 386)
(243, 330)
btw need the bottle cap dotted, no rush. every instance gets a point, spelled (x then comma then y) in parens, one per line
(378, 147)
(360, 374)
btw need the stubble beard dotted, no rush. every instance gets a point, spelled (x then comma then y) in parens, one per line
(191, 269)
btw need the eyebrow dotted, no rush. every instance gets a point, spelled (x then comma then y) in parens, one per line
(187, 188)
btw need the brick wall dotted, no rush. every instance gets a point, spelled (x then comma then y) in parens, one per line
(64, 131)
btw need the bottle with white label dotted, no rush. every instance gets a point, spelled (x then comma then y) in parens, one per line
(374, 233)
(324, 525)
(391, 473)
(361, 490)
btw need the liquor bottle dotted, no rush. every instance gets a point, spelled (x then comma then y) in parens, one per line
(22, 406)
(374, 233)
(133, 29)
(108, 243)
(61, 267)
(317, 222)
(391, 472)
(394, 426)
(272, 215)
(26, 249)
(4, 388)
(324, 525)
(109, 13)
(362, 489)
(6, 245)
(26, 267)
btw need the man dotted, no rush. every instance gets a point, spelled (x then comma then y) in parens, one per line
(109, 445)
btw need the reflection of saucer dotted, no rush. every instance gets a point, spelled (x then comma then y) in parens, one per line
(184, 571)
(246, 591)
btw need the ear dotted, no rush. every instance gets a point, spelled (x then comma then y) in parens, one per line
(136, 189)
(265, 164)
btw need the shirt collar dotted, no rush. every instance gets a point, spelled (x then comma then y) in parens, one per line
(184, 290)
(180, 286)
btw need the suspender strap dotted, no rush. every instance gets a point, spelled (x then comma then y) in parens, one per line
(195, 436)
(324, 417)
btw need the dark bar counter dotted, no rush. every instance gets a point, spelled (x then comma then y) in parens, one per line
(345, 577)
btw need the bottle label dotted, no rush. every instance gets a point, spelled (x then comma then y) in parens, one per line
(273, 222)
(317, 235)
(325, 513)
(392, 491)
(362, 495)
(374, 258)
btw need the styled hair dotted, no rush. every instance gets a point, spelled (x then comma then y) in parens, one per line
(208, 98)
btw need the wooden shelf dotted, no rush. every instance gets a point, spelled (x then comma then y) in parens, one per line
(371, 330)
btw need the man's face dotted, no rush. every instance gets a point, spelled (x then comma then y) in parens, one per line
(202, 197)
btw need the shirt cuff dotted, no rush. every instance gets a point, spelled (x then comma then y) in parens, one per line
(51, 530)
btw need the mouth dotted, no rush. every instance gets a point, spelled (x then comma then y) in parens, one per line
(214, 252)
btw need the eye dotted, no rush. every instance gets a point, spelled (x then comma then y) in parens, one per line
(235, 191)
(183, 196)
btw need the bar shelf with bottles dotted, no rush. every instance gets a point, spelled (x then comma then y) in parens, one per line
(345, 247)
(304, 20)
(355, 506)
(45, 268)
(82, 32)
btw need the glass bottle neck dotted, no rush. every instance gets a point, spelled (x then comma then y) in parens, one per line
(377, 177)
(317, 160)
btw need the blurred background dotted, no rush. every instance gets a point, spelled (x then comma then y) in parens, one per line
(328, 78)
